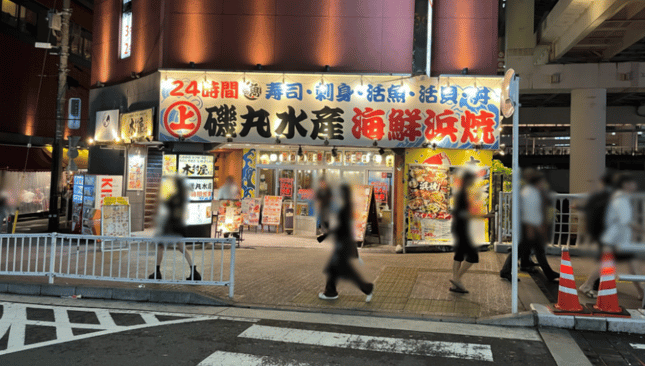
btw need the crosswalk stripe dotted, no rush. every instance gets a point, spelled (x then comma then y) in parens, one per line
(637, 345)
(221, 358)
(469, 351)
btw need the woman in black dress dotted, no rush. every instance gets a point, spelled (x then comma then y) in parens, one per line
(465, 253)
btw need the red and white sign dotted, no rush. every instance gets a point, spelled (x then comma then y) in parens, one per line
(182, 118)
(107, 186)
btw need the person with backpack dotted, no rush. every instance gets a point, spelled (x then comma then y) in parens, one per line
(594, 210)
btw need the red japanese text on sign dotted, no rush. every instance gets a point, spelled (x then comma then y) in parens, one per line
(441, 125)
(478, 127)
(404, 124)
(369, 123)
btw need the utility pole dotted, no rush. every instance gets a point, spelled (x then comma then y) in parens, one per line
(57, 147)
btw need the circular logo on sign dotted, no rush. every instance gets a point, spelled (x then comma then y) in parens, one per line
(182, 119)
(251, 90)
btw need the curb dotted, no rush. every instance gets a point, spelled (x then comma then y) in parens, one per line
(635, 324)
(103, 293)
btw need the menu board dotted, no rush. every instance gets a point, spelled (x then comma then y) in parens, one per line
(196, 165)
(230, 216)
(136, 172)
(116, 217)
(78, 189)
(272, 210)
(169, 165)
(198, 213)
(361, 198)
(427, 203)
(286, 187)
(250, 208)
(200, 189)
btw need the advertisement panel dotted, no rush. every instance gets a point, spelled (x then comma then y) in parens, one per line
(200, 189)
(272, 210)
(196, 165)
(135, 173)
(136, 125)
(107, 125)
(169, 165)
(351, 110)
(198, 213)
(107, 186)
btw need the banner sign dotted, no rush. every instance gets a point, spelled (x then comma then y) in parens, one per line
(351, 110)
(136, 125)
(196, 165)
(107, 125)
(361, 198)
(272, 210)
(200, 189)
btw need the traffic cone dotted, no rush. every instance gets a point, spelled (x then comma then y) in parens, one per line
(607, 303)
(567, 297)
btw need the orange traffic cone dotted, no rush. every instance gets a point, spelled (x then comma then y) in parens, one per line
(607, 303)
(567, 297)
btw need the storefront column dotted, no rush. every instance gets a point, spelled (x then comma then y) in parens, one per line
(588, 120)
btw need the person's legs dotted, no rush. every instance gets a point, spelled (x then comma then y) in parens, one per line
(330, 292)
(194, 275)
(160, 249)
(591, 280)
(365, 287)
(540, 253)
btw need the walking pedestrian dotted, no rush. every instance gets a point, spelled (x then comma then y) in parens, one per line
(534, 230)
(594, 211)
(170, 226)
(323, 200)
(465, 252)
(619, 224)
(345, 249)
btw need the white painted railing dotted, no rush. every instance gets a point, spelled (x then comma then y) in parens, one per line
(123, 259)
(569, 226)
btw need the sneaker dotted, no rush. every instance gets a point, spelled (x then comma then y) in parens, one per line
(369, 296)
(155, 276)
(322, 296)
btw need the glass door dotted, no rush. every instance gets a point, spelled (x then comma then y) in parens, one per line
(267, 184)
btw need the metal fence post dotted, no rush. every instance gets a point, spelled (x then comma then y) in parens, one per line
(50, 273)
(500, 218)
(231, 286)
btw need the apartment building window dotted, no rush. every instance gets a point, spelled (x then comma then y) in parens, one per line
(125, 29)
(80, 41)
(19, 17)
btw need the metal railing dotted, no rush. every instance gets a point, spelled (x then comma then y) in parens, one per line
(123, 259)
(569, 226)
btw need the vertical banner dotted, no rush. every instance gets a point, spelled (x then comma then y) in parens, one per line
(248, 173)
(135, 172)
(361, 196)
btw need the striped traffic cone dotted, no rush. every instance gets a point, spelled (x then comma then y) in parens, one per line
(567, 297)
(607, 303)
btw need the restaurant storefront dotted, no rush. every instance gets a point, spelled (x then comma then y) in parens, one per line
(400, 136)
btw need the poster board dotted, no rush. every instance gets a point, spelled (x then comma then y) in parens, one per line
(230, 216)
(288, 218)
(196, 165)
(364, 211)
(251, 211)
(272, 211)
(116, 217)
(198, 213)
(427, 203)
(169, 165)
(135, 173)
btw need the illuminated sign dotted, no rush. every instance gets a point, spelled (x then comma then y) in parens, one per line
(351, 110)
(125, 30)
(136, 125)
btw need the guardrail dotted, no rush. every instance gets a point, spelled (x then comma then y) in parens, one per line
(123, 259)
(569, 227)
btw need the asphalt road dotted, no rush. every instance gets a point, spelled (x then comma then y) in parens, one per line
(32, 334)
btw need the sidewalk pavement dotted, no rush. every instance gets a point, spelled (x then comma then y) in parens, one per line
(286, 272)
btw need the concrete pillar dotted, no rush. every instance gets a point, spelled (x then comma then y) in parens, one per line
(588, 120)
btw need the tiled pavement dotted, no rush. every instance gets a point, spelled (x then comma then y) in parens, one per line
(282, 271)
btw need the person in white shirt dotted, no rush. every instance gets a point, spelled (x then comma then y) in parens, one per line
(534, 227)
(619, 224)
(228, 190)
